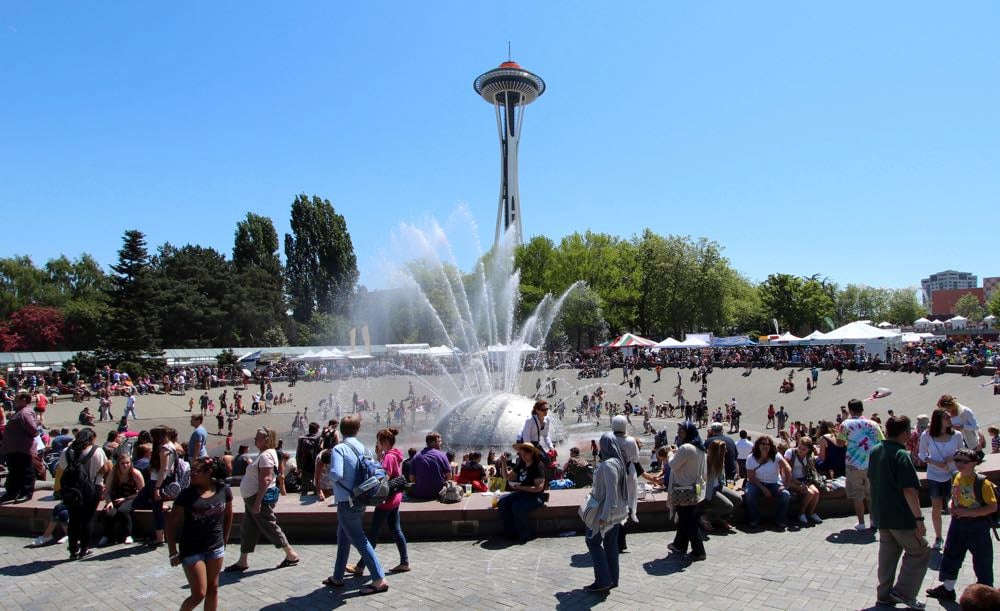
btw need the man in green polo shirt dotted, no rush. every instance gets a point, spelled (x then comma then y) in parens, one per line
(896, 509)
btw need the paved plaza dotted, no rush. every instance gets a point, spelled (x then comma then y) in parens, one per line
(829, 566)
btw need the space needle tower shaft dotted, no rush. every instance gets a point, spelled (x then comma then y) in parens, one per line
(509, 88)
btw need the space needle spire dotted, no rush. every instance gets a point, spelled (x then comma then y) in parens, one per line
(509, 88)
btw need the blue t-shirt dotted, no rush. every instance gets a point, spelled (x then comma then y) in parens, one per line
(200, 437)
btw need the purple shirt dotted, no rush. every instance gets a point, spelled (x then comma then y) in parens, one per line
(429, 468)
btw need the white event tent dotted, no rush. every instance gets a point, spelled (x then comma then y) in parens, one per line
(785, 338)
(666, 344)
(958, 322)
(872, 339)
(921, 323)
(815, 335)
(693, 342)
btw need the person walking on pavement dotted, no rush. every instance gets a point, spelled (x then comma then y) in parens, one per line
(895, 492)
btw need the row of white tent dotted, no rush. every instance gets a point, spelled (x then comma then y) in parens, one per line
(956, 322)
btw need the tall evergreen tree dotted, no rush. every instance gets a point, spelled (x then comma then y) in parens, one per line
(321, 269)
(132, 331)
(259, 284)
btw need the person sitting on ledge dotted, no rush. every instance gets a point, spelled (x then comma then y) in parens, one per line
(429, 469)
(473, 473)
(578, 470)
(527, 482)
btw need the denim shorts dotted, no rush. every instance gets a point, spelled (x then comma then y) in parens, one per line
(212, 554)
(939, 490)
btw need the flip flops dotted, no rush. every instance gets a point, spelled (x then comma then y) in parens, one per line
(330, 582)
(370, 589)
(287, 563)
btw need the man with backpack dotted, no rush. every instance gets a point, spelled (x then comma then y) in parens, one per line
(309, 447)
(81, 487)
(348, 464)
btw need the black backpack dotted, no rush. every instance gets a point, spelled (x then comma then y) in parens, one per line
(76, 487)
(994, 517)
(308, 449)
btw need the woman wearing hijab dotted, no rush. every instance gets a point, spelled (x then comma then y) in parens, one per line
(688, 466)
(608, 509)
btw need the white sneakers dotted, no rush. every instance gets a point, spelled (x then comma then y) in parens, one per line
(129, 540)
(938, 543)
(39, 541)
(816, 519)
(860, 526)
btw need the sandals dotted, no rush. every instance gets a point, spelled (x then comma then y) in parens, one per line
(287, 563)
(235, 568)
(353, 570)
(402, 568)
(370, 589)
(330, 582)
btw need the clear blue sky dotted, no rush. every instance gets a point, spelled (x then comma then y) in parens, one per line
(859, 140)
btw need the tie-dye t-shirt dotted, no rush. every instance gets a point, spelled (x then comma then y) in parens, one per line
(862, 435)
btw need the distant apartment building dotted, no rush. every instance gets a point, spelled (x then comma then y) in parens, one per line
(944, 301)
(945, 281)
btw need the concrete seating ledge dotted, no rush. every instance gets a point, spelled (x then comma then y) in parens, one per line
(306, 519)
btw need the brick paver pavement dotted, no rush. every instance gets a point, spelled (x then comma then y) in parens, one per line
(823, 567)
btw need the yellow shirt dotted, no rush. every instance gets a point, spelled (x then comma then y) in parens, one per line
(963, 492)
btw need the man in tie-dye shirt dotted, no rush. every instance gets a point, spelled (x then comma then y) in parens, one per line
(860, 435)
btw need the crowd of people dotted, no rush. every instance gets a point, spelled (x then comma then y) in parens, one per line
(706, 479)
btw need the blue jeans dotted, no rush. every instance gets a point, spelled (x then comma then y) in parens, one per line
(514, 509)
(392, 517)
(968, 535)
(753, 495)
(350, 531)
(604, 555)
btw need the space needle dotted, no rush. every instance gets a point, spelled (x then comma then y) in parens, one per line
(509, 88)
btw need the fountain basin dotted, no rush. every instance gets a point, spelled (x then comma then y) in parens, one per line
(493, 420)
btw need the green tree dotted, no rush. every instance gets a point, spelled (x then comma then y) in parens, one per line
(321, 269)
(132, 332)
(194, 296)
(799, 304)
(744, 309)
(581, 319)
(258, 287)
(968, 306)
(904, 307)
(994, 304)
(21, 284)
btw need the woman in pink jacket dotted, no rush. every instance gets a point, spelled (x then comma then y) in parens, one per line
(392, 461)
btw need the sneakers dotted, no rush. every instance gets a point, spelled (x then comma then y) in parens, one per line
(910, 604)
(40, 541)
(816, 519)
(104, 541)
(803, 520)
(693, 557)
(674, 549)
(938, 543)
(129, 540)
(63, 539)
(860, 526)
(941, 593)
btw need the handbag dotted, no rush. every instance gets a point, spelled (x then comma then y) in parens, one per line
(588, 511)
(683, 496)
(452, 492)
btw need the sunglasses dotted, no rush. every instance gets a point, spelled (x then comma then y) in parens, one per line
(962, 461)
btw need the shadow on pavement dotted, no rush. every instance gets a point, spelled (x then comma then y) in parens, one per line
(581, 560)
(666, 566)
(320, 598)
(852, 537)
(579, 599)
(31, 568)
